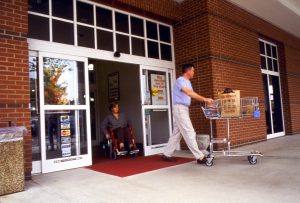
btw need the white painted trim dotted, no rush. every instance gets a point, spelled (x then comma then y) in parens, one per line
(53, 47)
(50, 165)
(155, 149)
(277, 74)
(275, 135)
(36, 167)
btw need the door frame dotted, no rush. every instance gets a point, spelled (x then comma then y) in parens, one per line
(159, 148)
(277, 74)
(51, 165)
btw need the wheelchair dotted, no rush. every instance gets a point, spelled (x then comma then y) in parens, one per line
(111, 145)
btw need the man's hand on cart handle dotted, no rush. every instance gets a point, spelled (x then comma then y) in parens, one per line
(209, 101)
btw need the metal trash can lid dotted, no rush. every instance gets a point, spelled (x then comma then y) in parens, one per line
(11, 134)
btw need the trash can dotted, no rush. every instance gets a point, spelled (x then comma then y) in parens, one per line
(11, 159)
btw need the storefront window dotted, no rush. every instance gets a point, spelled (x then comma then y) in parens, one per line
(104, 18)
(85, 13)
(65, 133)
(41, 6)
(62, 9)
(63, 82)
(34, 108)
(63, 27)
(115, 31)
(38, 27)
(85, 36)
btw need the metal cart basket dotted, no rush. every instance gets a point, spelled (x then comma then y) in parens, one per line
(228, 109)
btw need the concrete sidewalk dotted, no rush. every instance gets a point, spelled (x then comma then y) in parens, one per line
(275, 178)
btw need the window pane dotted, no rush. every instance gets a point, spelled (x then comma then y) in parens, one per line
(123, 43)
(38, 27)
(85, 36)
(41, 6)
(138, 46)
(270, 66)
(137, 26)
(62, 9)
(166, 52)
(268, 49)
(105, 40)
(164, 33)
(62, 138)
(63, 82)
(104, 18)
(153, 50)
(262, 47)
(263, 63)
(85, 13)
(151, 30)
(275, 65)
(122, 22)
(274, 52)
(63, 32)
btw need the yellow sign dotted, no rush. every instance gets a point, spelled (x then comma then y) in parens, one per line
(154, 91)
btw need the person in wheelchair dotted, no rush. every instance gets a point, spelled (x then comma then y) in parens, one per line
(118, 124)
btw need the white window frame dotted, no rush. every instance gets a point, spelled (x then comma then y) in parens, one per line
(277, 74)
(95, 27)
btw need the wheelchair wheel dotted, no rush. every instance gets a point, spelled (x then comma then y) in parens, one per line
(133, 155)
(114, 155)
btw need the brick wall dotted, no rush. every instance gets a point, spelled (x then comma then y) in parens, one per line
(234, 35)
(221, 39)
(14, 75)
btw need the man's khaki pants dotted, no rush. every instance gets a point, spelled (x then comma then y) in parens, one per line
(183, 127)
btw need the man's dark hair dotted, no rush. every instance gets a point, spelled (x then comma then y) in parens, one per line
(186, 67)
(112, 105)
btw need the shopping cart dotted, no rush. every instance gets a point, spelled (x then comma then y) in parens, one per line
(229, 109)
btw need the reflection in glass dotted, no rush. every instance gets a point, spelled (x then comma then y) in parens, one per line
(270, 65)
(63, 32)
(138, 46)
(85, 13)
(66, 133)
(122, 43)
(105, 40)
(157, 126)
(63, 82)
(137, 26)
(263, 64)
(153, 49)
(40, 6)
(166, 52)
(38, 27)
(122, 22)
(85, 36)
(62, 9)
(267, 104)
(104, 18)
(151, 30)
(164, 33)
(268, 50)
(262, 47)
(276, 104)
(34, 108)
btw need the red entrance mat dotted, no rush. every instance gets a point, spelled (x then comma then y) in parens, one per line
(126, 166)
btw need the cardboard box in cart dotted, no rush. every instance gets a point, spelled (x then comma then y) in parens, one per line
(230, 103)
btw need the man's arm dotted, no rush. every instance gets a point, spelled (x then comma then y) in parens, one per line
(196, 96)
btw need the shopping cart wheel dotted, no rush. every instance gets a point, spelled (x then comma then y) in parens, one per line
(114, 155)
(252, 159)
(209, 160)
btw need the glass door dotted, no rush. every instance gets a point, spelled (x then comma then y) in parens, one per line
(64, 110)
(156, 111)
(271, 81)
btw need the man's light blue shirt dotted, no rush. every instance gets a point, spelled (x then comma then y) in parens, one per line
(180, 97)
